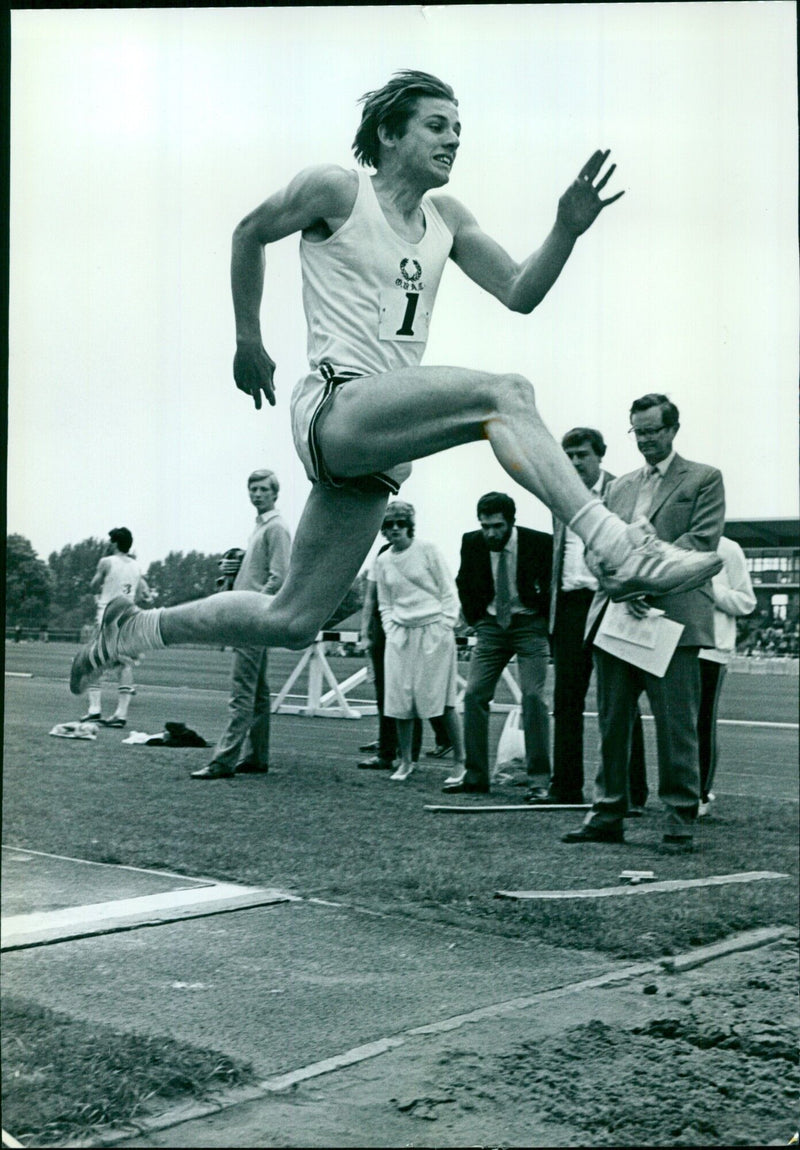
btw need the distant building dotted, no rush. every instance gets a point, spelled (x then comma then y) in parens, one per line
(772, 549)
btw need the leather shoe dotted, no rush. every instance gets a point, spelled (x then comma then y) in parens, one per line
(365, 748)
(590, 834)
(545, 799)
(465, 789)
(376, 763)
(439, 751)
(251, 768)
(214, 771)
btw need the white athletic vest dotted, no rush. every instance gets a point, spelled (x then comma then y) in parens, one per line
(368, 294)
(122, 576)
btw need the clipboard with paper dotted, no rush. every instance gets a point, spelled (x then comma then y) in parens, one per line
(647, 643)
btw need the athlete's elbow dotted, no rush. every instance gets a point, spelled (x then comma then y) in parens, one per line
(522, 303)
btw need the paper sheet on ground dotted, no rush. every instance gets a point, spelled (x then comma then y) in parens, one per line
(647, 643)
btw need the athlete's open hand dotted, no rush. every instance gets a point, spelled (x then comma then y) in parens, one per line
(581, 204)
(253, 371)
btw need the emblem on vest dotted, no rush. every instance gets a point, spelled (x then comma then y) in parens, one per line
(410, 274)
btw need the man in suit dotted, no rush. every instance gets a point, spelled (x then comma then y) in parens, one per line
(572, 587)
(503, 583)
(685, 504)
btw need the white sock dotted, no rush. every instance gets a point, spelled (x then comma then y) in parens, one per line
(123, 702)
(602, 531)
(94, 700)
(142, 633)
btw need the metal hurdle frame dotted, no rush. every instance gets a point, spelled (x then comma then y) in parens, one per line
(334, 704)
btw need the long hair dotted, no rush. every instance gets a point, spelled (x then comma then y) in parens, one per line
(391, 107)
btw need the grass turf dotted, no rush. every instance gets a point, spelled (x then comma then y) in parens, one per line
(64, 1079)
(317, 825)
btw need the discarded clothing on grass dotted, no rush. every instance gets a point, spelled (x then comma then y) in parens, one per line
(174, 735)
(140, 737)
(75, 730)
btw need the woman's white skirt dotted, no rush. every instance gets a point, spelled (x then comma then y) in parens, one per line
(420, 671)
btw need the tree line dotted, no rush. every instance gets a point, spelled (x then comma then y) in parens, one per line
(55, 594)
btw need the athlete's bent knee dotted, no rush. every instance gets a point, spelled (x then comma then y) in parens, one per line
(514, 393)
(299, 633)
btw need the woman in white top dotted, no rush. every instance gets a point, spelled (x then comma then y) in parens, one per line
(419, 607)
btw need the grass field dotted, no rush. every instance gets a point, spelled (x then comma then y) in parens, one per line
(318, 826)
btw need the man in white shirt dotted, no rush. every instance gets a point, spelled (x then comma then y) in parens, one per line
(118, 573)
(243, 747)
(572, 588)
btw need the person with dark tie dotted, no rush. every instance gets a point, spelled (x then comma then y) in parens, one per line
(684, 503)
(572, 588)
(504, 584)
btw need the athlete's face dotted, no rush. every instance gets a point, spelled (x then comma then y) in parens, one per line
(431, 139)
(262, 495)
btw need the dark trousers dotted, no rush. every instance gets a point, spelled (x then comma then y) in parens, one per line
(572, 663)
(387, 728)
(675, 702)
(527, 639)
(712, 676)
(246, 736)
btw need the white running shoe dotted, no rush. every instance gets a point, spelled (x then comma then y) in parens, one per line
(91, 660)
(403, 771)
(653, 567)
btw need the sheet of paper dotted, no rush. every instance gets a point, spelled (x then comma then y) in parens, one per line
(613, 637)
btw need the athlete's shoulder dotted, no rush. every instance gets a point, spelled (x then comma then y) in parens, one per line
(452, 211)
(329, 184)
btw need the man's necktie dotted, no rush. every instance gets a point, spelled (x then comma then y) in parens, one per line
(502, 592)
(647, 490)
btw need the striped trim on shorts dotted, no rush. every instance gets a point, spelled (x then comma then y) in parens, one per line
(380, 482)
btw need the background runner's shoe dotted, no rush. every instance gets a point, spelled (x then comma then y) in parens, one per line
(659, 568)
(88, 664)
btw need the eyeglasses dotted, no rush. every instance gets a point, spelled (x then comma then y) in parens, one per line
(395, 523)
(647, 432)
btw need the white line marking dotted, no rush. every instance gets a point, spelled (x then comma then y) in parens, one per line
(19, 675)
(24, 930)
(648, 888)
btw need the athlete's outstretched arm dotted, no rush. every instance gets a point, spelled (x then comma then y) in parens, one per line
(315, 195)
(522, 286)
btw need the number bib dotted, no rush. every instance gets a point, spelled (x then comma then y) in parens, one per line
(404, 317)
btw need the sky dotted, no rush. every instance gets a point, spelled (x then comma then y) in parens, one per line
(140, 137)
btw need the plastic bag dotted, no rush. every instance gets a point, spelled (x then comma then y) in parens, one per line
(511, 747)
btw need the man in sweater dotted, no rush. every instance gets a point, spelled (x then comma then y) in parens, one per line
(244, 745)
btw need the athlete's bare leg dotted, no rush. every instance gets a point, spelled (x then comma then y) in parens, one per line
(333, 537)
(371, 425)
